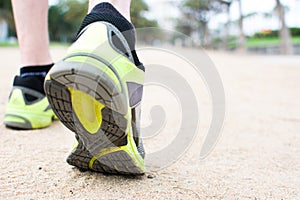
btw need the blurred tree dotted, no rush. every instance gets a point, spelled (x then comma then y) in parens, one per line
(6, 14)
(5, 4)
(196, 15)
(227, 4)
(184, 27)
(284, 33)
(242, 37)
(197, 12)
(137, 10)
(295, 31)
(65, 19)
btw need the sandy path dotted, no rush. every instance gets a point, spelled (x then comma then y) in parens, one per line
(257, 156)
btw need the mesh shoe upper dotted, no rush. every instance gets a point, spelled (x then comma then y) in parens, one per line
(28, 107)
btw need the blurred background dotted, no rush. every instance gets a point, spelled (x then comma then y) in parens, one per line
(257, 26)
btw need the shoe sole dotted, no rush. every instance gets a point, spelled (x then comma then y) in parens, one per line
(111, 145)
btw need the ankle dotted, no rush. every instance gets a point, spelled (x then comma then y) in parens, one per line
(123, 6)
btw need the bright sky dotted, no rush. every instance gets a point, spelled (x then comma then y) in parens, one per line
(258, 23)
(248, 6)
(51, 2)
(251, 25)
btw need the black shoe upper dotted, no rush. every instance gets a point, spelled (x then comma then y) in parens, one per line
(108, 13)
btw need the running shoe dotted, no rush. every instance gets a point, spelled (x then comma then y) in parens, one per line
(28, 107)
(96, 92)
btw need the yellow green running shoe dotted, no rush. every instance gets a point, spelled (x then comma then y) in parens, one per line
(95, 91)
(28, 108)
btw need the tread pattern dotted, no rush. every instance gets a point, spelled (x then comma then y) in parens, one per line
(80, 157)
(60, 101)
(112, 130)
(114, 163)
(95, 83)
(113, 127)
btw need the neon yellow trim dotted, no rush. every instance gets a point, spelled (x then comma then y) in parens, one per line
(87, 109)
(91, 61)
(75, 145)
(128, 71)
(55, 117)
(14, 119)
(130, 149)
(102, 153)
(47, 78)
(95, 41)
(34, 113)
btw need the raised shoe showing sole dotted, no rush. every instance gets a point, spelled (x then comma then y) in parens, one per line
(94, 91)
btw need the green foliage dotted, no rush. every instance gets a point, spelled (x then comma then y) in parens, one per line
(6, 14)
(184, 27)
(270, 34)
(5, 4)
(66, 16)
(295, 31)
(271, 41)
(65, 19)
(232, 42)
(274, 33)
(202, 10)
(197, 5)
(137, 11)
(196, 15)
(196, 10)
(261, 42)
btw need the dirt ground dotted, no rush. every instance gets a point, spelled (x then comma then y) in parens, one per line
(256, 157)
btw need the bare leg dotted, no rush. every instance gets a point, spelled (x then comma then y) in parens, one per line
(31, 17)
(123, 6)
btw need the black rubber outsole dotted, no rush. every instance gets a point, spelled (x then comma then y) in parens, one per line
(112, 132)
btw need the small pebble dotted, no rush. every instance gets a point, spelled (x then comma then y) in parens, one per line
(150, 176)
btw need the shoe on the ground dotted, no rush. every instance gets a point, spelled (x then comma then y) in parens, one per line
(28, 108)
(95, 91)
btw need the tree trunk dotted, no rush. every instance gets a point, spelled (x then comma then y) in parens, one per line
(227, 27)
(206, 38)
(3, 30)
(204, 34)
(242, 38)
(284, 33)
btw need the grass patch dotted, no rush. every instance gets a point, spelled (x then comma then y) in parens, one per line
(7, 44)
(52, 44)
(59, 44)
(260, 42)
(296, 40)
